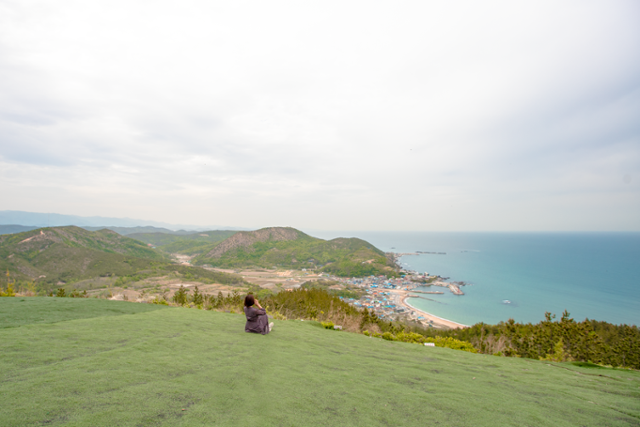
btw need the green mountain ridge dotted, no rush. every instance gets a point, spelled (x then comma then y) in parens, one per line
(63, 253)
(126, 231)
(58, 256)
(286, 247)
(188, 244)
(76, 237)
(51, 257)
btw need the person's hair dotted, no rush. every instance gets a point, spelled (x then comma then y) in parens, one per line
(249, 300)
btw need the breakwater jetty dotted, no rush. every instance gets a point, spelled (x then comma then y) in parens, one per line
(454, 288)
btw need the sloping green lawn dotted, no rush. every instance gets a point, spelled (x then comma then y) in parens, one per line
(145, 366)
(26, 311)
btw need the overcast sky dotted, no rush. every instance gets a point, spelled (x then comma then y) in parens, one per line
(336, 115)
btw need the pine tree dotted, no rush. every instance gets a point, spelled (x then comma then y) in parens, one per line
(219, 299)
(559, 355)
(180, 297)
(197, 297)
(31, 288)
(10, 292)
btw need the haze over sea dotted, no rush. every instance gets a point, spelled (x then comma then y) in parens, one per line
(592, 275)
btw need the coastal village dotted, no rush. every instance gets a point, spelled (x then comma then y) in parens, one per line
(387, 297)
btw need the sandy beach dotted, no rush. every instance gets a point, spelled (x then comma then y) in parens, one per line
(401, 299)
(437, 321)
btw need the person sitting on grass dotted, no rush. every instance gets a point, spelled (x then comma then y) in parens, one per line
(257, 320)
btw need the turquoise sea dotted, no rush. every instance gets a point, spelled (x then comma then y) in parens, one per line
(523, 275)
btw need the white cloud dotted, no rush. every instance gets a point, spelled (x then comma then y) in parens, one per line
(361, 115)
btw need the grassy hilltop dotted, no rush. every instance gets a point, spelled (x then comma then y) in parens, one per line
(87, 362)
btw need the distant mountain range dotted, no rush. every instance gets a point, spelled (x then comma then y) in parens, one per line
(123, 231)
(14, 228)
(127, 231)
(36, 220)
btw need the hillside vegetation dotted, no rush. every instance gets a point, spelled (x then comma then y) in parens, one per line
(147, 229)
(286, 247)
(108, 241)
(49, 258)
(116, 365)
(187, 244)
(565, 339)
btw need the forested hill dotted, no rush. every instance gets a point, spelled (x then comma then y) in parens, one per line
(189, 244)
(126, 231)
(61, 253)
(36, 241)
(52, 257)
(286, 247)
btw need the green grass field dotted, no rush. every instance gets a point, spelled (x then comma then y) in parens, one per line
(84, 362)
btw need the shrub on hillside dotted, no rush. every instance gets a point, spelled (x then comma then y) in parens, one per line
(160, 301)
(10, 292)
(327, 325)
(452, 343)
(388, 336)
(412, 337)
(558, 355)
(76, 294)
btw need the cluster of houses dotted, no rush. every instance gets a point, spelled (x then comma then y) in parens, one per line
(381, 298)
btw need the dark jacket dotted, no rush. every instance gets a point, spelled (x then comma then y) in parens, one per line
(257, 320)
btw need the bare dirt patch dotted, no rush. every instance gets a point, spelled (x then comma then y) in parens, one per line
(286, 279)
(183, 259)
(165, 286)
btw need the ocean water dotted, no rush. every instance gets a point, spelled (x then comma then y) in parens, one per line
(591, 275)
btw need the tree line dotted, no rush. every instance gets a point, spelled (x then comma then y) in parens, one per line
(559, 340)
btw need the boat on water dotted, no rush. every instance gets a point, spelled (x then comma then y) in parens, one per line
(506, 301)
